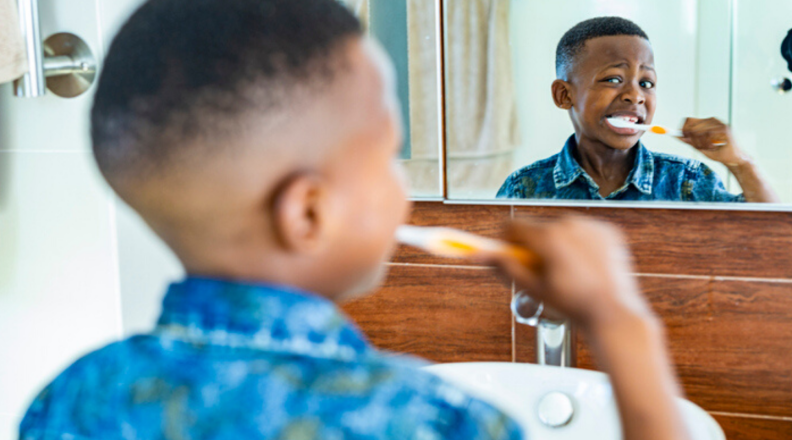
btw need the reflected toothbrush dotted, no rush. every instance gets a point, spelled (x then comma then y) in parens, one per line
(453, 243)
(656, 129)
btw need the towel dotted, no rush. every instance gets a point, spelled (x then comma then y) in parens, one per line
(424, 164)
(13, 61)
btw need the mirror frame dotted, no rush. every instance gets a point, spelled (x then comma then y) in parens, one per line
(440, 83)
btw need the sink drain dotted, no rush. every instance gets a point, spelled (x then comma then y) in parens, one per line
(556, 410)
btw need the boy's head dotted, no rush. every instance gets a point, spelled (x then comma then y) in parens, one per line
(605, 68)
(258, 138)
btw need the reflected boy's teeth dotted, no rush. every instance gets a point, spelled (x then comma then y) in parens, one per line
(623, 130)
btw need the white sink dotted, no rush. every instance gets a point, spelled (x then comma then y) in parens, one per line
(522, 390)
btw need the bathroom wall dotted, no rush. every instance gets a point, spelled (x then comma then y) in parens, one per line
(59, 290)
(62, 232)
(721, 281)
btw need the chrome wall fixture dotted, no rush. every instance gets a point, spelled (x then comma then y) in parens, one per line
(63, 63)
(555, 340)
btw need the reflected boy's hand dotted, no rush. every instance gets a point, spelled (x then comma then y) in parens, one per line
(585, 270)
(714, 139)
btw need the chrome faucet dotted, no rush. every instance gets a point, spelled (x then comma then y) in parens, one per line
(555, 344)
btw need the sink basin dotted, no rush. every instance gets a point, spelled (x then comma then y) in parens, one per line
(558, 403)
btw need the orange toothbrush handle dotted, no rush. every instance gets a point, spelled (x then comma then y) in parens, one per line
(526, 257)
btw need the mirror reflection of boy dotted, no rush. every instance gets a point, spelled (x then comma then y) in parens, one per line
(260, 140)
(605, 68)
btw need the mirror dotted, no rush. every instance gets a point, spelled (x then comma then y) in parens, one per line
(508, 126)
(409, 31)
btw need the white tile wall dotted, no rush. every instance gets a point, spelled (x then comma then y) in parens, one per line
(59, 292)
(147, 266)
(113, 14)
(59, 277)
(8, 426)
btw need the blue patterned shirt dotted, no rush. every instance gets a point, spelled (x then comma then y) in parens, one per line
(654, 177)
(239, 361)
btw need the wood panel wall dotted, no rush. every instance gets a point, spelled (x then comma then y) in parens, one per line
(720, 280)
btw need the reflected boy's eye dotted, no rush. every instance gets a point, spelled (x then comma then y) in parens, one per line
(647, 84)
(614, 80)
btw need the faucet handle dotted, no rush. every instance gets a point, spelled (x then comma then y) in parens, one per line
(526, 309)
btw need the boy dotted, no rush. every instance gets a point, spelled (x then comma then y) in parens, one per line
(605, 68)
(259, 139)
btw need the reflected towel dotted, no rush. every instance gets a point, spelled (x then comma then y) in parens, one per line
(13, 61)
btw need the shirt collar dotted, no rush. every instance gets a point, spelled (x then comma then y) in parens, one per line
(268, 317)
(567, 168)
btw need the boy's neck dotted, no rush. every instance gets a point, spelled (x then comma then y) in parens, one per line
(608, 167)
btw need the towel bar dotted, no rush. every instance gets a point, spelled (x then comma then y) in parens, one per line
(63, 63)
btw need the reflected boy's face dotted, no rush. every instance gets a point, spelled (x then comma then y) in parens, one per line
(613, 77)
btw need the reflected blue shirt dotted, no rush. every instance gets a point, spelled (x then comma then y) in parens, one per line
(654, 177)
(239, 361)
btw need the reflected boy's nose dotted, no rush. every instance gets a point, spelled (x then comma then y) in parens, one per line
(633, 94)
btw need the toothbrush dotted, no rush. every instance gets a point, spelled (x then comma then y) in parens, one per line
(656, 129)
(448, 242)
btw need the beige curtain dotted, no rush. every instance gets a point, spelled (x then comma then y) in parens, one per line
(481, 108)
(13, 61)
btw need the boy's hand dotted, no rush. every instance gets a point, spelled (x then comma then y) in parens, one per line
(714, 139)
(585, 270)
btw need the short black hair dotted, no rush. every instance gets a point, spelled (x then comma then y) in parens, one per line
(179, 70)
(574, 40)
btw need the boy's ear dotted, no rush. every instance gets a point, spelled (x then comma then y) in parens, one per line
(299, 212)
(562, 94)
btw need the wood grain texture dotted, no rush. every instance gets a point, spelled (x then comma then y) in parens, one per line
(687, 242)
(730, 339)
(524, 343)
(731, 342)
(742, 428)
(441, 314)
(482, 220)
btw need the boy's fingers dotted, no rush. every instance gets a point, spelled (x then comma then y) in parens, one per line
(705, 134)
(691, 125)
(719, 137)
(532, 236)
(699, 125)
(704, 141)
(523, 277)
